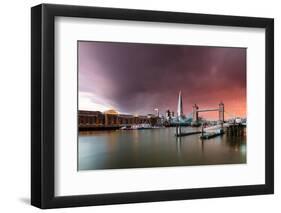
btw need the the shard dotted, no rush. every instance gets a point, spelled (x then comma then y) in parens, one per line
(180, 109)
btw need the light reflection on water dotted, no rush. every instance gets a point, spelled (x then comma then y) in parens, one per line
(115, 149)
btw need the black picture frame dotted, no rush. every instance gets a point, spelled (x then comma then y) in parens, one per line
(43, 110)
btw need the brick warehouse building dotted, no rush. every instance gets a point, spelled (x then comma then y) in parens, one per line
(111, 119)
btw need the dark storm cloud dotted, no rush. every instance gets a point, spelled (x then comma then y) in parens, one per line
(136, 78)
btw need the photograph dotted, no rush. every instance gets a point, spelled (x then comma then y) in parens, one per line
(143, 105)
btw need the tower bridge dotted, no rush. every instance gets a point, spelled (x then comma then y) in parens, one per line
(211, 131)
(196, 111)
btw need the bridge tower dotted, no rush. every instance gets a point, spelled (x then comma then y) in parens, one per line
(195, 113)
(221, 112)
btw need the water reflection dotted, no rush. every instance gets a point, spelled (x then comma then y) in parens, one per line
(156, 148)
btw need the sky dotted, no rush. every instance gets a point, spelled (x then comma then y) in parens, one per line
(137, 78)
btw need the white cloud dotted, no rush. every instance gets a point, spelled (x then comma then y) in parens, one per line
(88, 101)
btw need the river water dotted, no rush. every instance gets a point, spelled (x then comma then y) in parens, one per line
(116, 149)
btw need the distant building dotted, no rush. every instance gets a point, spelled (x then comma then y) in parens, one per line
(168, 115)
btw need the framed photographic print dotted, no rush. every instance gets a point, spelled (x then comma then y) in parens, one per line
(139, 106)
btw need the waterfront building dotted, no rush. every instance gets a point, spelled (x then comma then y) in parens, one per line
(112, 119)
(95, 118)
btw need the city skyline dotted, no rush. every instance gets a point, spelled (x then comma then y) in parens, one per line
(137, 78)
